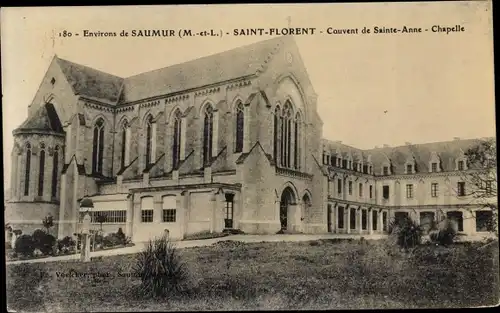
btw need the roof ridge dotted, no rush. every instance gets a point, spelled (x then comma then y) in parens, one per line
(241, 48)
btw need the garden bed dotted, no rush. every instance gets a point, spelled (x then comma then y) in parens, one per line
(10, 258)
(205, 235)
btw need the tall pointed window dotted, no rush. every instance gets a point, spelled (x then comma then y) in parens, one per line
(27, 170)
(286, 135)
(208, 134)
(55, 165)
(282, 140)
(176, 153)
(98, 146)
(149, 139)
(124, 143)
(277, 113)
(41, 172)
(240, 116)
(296, 154)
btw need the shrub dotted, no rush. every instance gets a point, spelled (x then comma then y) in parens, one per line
(25, 245)
(24, 290)
(44, 241)
(444, 233)
(66, 244)
(121, 236)
(112, 240)
(160, 268)
(407, 233)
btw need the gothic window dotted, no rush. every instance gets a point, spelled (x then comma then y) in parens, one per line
(297, 134)
(286, 135)
(27, 170)
(276, 133)
(41, 172)
(240, 116)
(55, 162)
(208, 126)
(98, 146)
(149, 139)
(176, 152)
(124, 143)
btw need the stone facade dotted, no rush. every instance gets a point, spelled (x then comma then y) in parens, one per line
(231, 141)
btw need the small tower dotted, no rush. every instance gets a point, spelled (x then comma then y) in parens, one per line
(37, 160)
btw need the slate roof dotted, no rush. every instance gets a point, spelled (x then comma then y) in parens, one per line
(90, 82)
(447, 151)
(231, 64)
(44, 119)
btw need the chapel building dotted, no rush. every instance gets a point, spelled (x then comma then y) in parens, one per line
(228, 141)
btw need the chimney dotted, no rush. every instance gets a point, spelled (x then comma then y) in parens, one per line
(456, 138)
(339, 141)
(408, 143)
(386, 145)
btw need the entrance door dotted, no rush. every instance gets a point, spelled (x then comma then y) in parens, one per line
(228, 214)
(287, 198)
(329, 218)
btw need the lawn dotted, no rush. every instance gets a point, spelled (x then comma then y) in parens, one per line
(323, 274)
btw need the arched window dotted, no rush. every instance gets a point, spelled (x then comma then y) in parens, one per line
(124, 143)
(176, 153)
(297, 140)
(277, 114)
(41, 170)
(55, 162)
(286, 135)
(240, 120)
(208, 134)
(98, 146)
(27, 170)
(282, 139)
(149, 137)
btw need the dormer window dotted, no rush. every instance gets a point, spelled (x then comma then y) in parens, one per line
(344, 163)
(434, 163)
(461, 162)
(434, 167)
(409, 168)
(53, 81)
(385, 170)
(460, 165)
(339, 162)
(333, 160)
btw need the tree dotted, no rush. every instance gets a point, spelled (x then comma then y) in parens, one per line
(481, 177)
(101, 218)
(48, 222)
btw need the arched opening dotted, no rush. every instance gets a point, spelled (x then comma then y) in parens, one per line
(240, 120)
(208, 135)
(55, 165)
(149, 143)
(287, 199)
(98, 146)
(306, 204)
(41, 173)
(27, 170)
(176, 147)
(124, 140)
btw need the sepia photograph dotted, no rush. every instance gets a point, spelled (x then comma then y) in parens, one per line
(250, 157)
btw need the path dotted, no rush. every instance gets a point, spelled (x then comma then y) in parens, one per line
(200, 243)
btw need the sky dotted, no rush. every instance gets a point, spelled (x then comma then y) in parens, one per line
(373, 89)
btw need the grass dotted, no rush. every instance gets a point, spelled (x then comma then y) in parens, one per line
(323, 274)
